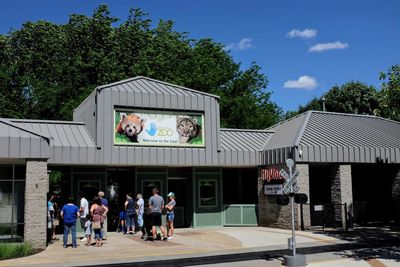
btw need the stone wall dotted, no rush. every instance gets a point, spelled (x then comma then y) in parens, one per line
(270, 214)
(36, 188)
(396, 197)
(342, 192)
(303, 182)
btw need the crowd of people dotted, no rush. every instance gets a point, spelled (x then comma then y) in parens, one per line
(134, 217)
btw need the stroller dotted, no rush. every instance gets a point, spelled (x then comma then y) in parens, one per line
(147, 235)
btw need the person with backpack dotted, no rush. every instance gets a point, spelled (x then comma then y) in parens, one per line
(130, 215)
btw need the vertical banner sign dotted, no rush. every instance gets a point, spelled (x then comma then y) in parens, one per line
(157, 128)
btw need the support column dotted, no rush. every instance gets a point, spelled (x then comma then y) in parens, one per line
(303, 181)
(36, 188)
(396, 197)
(342, 192)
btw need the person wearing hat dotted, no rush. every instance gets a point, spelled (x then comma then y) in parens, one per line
(170, 215)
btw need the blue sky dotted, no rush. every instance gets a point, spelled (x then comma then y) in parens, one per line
(303, 47)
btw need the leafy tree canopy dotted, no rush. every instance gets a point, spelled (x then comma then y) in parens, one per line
(351, 97)
(47, 69)
(390, 93)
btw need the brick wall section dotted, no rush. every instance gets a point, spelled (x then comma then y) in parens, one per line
(271, 214)
(36, 188)
(396, 196)
(346, 187)
(304, 183)
(336, 192)
(342, 191)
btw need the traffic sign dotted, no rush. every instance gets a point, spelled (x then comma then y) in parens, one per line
(289, 163)
(296, 188)
(284, 174)
(286, 187)
(296, 174)
(273, 189)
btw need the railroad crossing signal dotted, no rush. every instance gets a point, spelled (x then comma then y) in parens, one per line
(290, 181)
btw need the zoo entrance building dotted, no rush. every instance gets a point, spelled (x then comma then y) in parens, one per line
(133, 135)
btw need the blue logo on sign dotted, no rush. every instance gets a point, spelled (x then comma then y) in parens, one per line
(152, 129)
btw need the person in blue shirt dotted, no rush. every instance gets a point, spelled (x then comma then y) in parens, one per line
(69, 213)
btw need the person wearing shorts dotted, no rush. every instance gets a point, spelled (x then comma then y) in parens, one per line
(156, 205)
(170, 215)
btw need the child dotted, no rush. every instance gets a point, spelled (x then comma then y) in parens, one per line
(88, 230)
(122, 221)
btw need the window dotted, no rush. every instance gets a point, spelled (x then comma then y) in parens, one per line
(207, 192)
(12, 189)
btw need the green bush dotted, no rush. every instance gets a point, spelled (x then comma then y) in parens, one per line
(13, 250)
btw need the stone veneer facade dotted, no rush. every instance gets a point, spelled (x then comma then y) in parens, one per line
(396, 196)
(303, 181)
(342, 192)
(36, 188)
(273, 215)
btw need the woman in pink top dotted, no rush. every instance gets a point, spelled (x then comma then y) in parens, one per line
(98, 213)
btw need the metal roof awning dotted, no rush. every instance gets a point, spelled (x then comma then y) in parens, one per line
(70, 142)
(20, 143)
(316, 136)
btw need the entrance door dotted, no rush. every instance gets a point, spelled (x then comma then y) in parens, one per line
(178, 185)
(147, 186)
(90, 188)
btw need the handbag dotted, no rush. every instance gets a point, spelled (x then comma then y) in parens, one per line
(96, 225)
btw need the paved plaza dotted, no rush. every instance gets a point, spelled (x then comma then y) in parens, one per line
(236, 246)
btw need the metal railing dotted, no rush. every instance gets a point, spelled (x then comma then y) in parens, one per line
(330, 215)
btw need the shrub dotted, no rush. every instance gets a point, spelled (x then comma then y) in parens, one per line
(13, 250)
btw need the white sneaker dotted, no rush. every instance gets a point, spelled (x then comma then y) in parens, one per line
(170, 237)
(84, 239)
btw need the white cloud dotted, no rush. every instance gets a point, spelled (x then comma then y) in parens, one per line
(305, 34)
(243, 44)
(303, 82)
(328, 46)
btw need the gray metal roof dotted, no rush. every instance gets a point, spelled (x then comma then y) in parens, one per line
(338, 137)
(142, 84)
(242, 147)
(97, 111)
(70, 142)
(18, 142)
(287, 132)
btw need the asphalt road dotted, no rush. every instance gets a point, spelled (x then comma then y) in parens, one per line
(375, 257)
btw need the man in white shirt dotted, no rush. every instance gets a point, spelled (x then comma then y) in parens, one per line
(83, 211)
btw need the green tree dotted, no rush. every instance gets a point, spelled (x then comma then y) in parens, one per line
(46, 69)
(244, 103)
(313, 104)
(390, 93)
(351, 97)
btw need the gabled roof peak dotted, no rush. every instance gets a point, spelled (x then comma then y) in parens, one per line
(99, 88)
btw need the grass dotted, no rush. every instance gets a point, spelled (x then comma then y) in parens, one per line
(14, 250)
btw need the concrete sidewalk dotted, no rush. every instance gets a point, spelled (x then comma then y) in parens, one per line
(187, 244)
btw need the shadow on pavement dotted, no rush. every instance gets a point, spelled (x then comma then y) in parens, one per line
(364, 243)
(368, 243)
